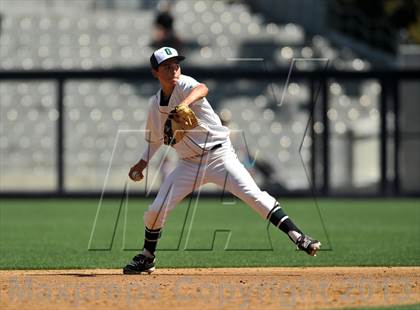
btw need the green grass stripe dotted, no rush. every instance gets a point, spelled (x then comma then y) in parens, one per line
(54, 233)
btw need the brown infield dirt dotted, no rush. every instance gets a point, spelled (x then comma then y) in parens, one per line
(211, 288)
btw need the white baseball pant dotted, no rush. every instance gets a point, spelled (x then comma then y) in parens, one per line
(212, 167)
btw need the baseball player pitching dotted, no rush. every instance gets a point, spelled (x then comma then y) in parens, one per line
(180, 116)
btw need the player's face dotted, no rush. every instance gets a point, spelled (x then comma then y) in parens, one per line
(169, 71)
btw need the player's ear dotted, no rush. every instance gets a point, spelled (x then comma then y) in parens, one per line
(154, 72)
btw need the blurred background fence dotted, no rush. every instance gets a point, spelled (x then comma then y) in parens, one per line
(84, 124)
(308, 102)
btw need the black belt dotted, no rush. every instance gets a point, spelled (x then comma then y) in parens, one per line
(217, 146)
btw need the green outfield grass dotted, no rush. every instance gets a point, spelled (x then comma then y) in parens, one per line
(56, 233)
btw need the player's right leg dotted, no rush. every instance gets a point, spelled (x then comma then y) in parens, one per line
(180, 182)
(228, 171)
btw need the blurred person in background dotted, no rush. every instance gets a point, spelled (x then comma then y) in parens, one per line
(164, 33)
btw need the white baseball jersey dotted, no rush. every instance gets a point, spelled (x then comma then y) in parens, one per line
(207, 134)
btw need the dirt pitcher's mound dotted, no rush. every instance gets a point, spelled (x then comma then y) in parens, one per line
(224, 288)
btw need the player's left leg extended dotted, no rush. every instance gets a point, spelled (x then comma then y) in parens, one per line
(228, 171)
(183, 180)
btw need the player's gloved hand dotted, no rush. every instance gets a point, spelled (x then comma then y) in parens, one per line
(136, 172)
(184, 116)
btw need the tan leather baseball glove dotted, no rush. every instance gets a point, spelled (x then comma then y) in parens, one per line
(184, 116)
(180, 119)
